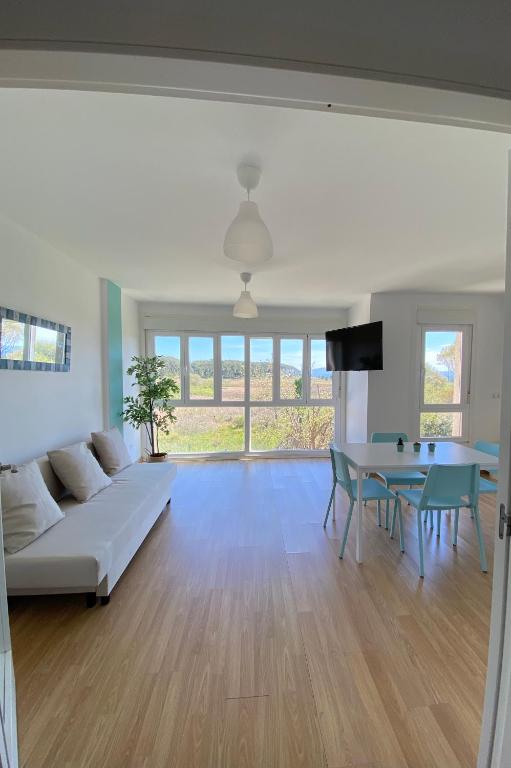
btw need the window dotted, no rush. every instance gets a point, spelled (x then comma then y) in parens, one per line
(201, 368)
(320, 380)
(169, 347)
(291, 428)
(206, 430)
(445, 382)
(291, 369)
(261, 369)
(233, 368)
(241, 393)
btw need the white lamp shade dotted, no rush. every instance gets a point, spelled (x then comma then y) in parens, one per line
(245, 306)
(248, 240)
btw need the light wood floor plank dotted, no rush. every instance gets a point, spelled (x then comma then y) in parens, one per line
(238, 639)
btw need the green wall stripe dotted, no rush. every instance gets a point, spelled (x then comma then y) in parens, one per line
(115, 369)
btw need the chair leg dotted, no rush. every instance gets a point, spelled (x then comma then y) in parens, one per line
(455, 528)
(482, 553)
(421, 548)
(325, 521)
(401, 527)
(438, 520)
(393, 521)
(346, 529)
(431, 518)
(333, 503)
(378, 513)
(387, 514)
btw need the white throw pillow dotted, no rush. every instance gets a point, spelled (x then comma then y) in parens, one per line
(111, 450)
(28, 508)
(78, 471)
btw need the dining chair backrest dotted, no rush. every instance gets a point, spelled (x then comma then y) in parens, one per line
(446, 481)
(341, 470)
(492, 448)
(388, 437)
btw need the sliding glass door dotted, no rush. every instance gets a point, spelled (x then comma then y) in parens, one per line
(247, 393)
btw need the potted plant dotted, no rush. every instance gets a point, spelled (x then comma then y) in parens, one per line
(151, 406)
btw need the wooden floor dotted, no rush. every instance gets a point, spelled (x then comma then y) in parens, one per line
(238, 638)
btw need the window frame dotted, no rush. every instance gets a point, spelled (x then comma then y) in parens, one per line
(463, 407)
(276, 402)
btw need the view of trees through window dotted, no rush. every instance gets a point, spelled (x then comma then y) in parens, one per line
(442, 384)
(306, 423)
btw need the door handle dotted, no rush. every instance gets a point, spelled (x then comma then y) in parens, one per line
(504, 522)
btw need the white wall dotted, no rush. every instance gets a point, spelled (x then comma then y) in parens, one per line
(41, 410)
(393, 392)
(210, 317)
(357, 382)
(130, 347)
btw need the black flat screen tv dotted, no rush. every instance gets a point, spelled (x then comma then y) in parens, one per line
(358, 348)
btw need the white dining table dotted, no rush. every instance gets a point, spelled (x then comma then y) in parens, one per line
(365, 458)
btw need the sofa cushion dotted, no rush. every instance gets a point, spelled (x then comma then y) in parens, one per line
(78, 553)
(78, 471)
(111, 449)
(28, 509)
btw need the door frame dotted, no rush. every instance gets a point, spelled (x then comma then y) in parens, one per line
(187, 78)
(496, 724)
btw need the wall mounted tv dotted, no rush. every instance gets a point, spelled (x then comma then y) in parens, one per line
(358, 348)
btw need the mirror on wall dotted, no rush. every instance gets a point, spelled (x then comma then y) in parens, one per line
(30, 343)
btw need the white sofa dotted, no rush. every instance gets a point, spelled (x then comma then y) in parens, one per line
(91, 547)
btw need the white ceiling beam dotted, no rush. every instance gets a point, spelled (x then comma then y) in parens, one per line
(186, 78)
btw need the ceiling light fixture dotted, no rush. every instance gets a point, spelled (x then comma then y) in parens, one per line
(245, 306)
(247, 239)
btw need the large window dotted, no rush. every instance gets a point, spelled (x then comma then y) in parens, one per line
(445, 382)
(252, 393)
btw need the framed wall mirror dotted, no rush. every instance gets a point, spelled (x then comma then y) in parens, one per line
(30, 343)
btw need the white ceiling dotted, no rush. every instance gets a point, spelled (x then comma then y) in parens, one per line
(141, 189)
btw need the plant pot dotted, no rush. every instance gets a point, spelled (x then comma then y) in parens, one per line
(400, 448)
(417, 447)
(152, 457)
(431, 447)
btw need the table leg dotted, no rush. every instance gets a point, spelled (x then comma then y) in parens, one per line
(360, 512)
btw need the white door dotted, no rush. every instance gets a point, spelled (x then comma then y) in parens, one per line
(495, 748)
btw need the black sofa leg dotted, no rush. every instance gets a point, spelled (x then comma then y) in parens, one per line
(104, 599)
(90, 599)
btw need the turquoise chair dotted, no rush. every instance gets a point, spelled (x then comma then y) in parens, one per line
(485, 447)
(485, 485)
(372, 490)
(446, 488)
(407, 477)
